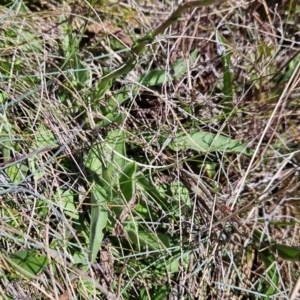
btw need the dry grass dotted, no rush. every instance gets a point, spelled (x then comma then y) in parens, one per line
(181, 223)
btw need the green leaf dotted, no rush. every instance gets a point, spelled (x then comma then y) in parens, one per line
(28, 262)
(152, 193)
(127, 181)
(158, 77)
(158, 292)
(30, 43)
(122, 95)
(117, 117)
(173, 265)
(155, 77)
(17, 172)
(43, 137)
(104, 166)
(98, 219)
(3, 97)
(66, 199)
(100, 89)
(283, 223)
(6, 140)
(99, 199)
(115, 145)
(148, 240)
(290, 253)
(228, 73)
(93, 162)
(268, 259)
(208, 142)
(262, 245)
(81, 72)
(180, 66)
(282, 77)
(179, 195)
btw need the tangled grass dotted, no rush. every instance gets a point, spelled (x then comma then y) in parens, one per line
(149, 151)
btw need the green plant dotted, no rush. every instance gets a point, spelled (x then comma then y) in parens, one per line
(134, 171)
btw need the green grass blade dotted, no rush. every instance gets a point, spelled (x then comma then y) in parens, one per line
(228, 73)
(290, 253)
